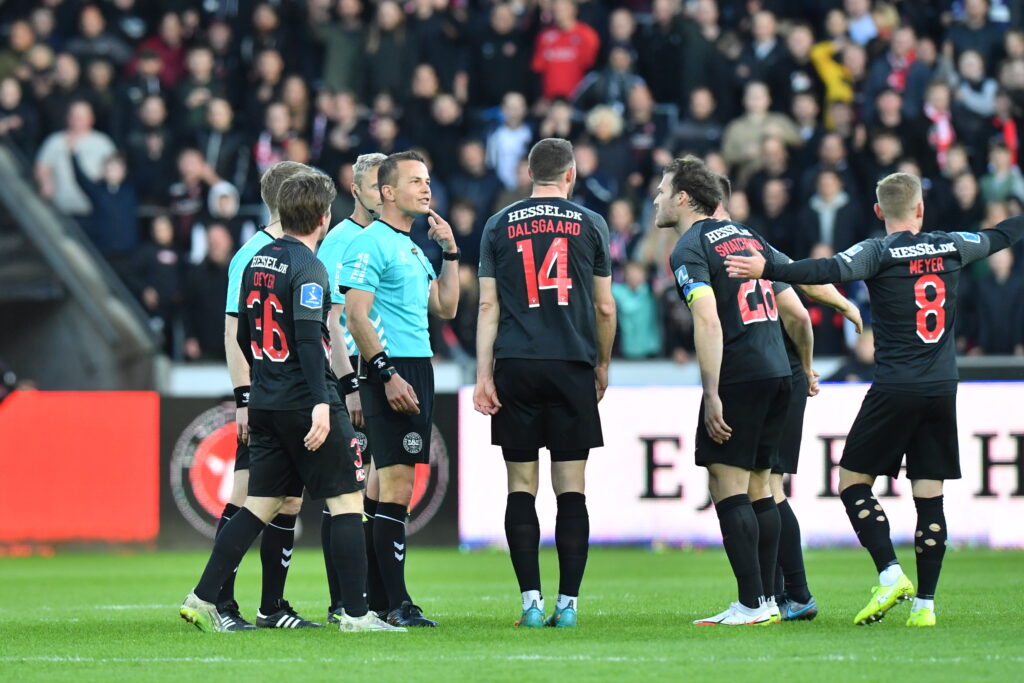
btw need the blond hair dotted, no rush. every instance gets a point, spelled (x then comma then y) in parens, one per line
(273, 178)
(898, 194)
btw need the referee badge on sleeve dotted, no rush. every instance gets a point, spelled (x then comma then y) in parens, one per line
(311, 295)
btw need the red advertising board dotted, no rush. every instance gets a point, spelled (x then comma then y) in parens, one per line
(79, 466)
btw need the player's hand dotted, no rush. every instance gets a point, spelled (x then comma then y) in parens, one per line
(242, 424)
(401, 396)
(852, 313)
(744, 267)
(812, 382)
(714, 419)
(485, 396)
(321, 427)
(600, 381)
(355, 409)
(440, 231)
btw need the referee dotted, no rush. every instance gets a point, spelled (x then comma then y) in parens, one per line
(390, 287)
(547, 315)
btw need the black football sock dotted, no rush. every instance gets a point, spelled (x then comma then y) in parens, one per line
(871, 524)
(791, 556)
(348, 550)
(227, 591)
(780, 588)
(332, 572)
(522, 530)
(376, 593)
(740, 537)
(276, 556)
(930, 544)
(572, 540)
(232, 542)
(389, 541)
(769, 527)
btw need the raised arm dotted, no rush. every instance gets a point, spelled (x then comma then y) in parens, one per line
(444, 291)
(859, 262)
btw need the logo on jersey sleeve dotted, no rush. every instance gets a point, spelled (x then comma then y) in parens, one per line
(682, 276)
(973, 237)
(311, 295)
(851, 252)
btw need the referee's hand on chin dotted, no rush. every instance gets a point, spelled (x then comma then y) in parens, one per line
(401, 396)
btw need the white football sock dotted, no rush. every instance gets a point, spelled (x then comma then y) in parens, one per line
(568, 601)
(529, 597)
(922, 602)
(890, 574)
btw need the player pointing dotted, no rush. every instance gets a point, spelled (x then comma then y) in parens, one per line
(910, 410)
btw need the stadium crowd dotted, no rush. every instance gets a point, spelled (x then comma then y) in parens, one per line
(149, 123)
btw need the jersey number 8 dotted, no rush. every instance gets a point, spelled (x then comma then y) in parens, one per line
(557, 257)
(929, 307)
(270, 330)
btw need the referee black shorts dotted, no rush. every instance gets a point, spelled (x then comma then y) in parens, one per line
(546, 403)
(399, 439)
(792, 432)
(891, 425)
(756, 412)
(282, 466)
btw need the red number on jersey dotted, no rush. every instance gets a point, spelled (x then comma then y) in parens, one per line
(269, 328)
(766, 308)
(928, 307)
(557, 258)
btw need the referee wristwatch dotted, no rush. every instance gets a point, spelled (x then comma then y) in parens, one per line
(454, 256)
(387, 373)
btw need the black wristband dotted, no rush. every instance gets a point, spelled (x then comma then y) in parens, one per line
(349, 384)
(452, 257)
(242, 397)
(380, 361)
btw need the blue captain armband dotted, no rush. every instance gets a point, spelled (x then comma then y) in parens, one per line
(696, 290)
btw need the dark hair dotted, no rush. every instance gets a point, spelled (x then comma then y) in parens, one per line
(692, 176)
(726, 187)
(387, 173)
(549, 159)
(303, 199)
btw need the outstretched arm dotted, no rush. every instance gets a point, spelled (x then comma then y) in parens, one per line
(828, 295)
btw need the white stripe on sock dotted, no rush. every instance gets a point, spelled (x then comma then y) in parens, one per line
(396, 521)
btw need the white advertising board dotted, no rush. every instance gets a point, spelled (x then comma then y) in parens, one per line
(643, 487)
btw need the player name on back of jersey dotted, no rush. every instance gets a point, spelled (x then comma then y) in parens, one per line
(546, 218)
(270, 263)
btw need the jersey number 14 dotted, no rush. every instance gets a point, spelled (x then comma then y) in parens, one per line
(557, 258)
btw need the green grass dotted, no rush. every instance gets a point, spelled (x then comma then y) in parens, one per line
(103, 617)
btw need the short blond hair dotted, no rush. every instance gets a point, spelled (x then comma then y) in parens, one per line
(898, 194)
(273, 178)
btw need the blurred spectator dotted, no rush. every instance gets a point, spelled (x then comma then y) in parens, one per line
(99, 90)
(662, 45)
(741, 140)
(265, 33)
(264, 88)
(832, 156)
(774, 166)
(523, 187)
(54, 171)
(13, 58)
(559, 121)
(975, 33)
(187, 197)
(698, 133)
(150, 151)
(295, 96)
(860, 24)
(594, 189)
(391, 50)
(637, 314)
(968, 208)
(624, 235)
(159, 279)
(474, 181)
(95, 42)
(468, 227)
(645, 128)
(898, 69)
(65, 87)
(510, 141)
(614, 158)
(439, 27)
(19, 126)
(842, 67)
(199, 87)
(999, 307)
(346, 134)
(343, 35)
(776, 222)
(976, 92)
(168, 44)
(113, 227)
(806, 114)
(1004, 179)
(501, 59)
(222, 205)
(272, 143)
(610, 85)
(564, 51)
(344, 202)
(798, 75)
(829, 218)
(223, 148)
(764, 58)
(126, 20)
(890, 117)
(204, 314)
(860, 366)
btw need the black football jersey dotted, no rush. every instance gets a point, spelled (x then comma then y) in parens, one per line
(284, 282)
(751, 333)
(912, 281)
(544, 254)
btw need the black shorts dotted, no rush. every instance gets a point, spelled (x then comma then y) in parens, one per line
(546, 403)
(533, 455)
(399, 439)
(789, 444)
(241, 456)
(756, 412)
(364, 442)
(891, 425)
(281, 465)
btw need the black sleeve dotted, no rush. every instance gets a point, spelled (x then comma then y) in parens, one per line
(859, 262)
(244, 338)
(90, 187)
(1005, 233)
(308, 337)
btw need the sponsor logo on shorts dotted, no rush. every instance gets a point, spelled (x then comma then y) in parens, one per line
(412, 443)
(361, 440)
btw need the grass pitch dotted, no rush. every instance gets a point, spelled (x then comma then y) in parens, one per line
(114, 617)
